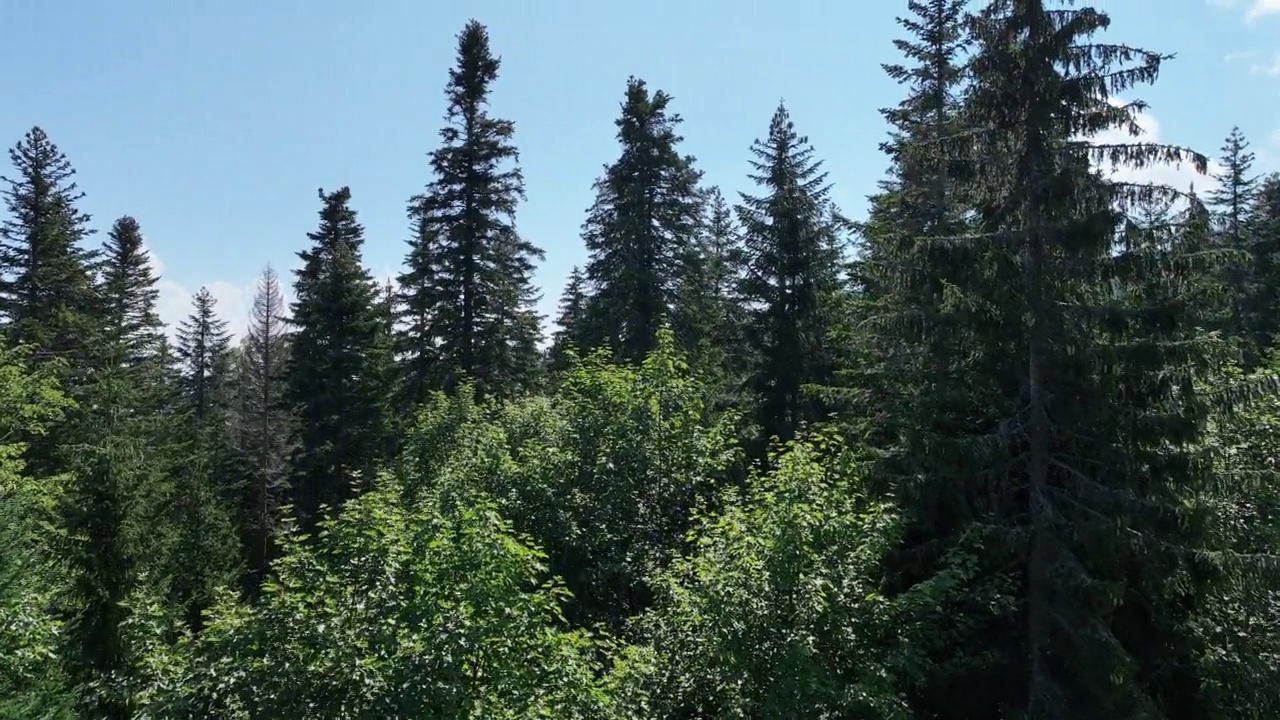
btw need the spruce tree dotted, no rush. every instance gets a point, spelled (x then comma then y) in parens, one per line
(1092, 462)
(204, 350)
(1264, 230)
(469, 270)
(1232, 201)
(713, 309)
(416, 343)
(792, 240)
(640, 229)
(47, 296)
(128, 289)
(101, 557)
(570, 322)
(908, 335)
(339, 368)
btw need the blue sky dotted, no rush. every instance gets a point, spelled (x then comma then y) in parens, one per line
(215, 123)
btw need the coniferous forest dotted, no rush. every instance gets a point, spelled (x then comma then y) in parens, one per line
(1004, 448)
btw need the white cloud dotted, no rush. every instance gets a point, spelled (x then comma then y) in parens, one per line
(1270, 68)
(174, 303)
(1180, 176)
(1263, 7)
(1255, 8)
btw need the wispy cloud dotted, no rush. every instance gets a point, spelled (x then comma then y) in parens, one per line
(1270, 68)
(1260, 8)
(1254, 9)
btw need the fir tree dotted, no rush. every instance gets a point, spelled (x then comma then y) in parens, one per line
(640, 229)
(95, 513)
(469, 271)
(909, 334)
(791, 236)
(339, 369)
(415, 341)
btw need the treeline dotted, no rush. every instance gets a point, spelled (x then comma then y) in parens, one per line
(1004, 449)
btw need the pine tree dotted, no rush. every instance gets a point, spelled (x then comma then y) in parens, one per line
(265, 427)
(339, 368)
(640, 229)
(204, 349)
(469, 271)
(570, 322)
(128, 288)
(203, 472)
(792, 243)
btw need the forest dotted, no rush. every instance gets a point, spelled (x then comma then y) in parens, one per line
(1004, 448)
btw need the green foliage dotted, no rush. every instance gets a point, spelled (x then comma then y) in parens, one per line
(604, 474)
(428, 609)
(778, 611)
(1054, 492)
(32, 681)
(608, 473)
(1240, 619)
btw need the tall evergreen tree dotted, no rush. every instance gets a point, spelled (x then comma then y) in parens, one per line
(469, 271)
(204, 350)
(47, 295)
(1264, 230)
(1091, 468)
(1232, 201)
(102, 557)
(570, 322)
(129, 291)
(713, 309)
(639, 231)
(339, 369)
(264, 428)
(909, 334)
(792, 243)
(46, 289)
(203, 473)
